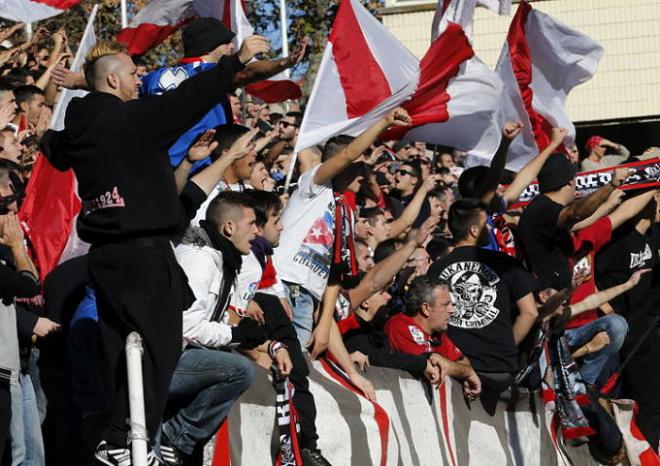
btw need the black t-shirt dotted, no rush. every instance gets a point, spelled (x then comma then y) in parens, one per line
(628, 252)
(485, 286)
(546, 246)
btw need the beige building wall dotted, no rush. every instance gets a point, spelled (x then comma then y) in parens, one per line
(627, 82)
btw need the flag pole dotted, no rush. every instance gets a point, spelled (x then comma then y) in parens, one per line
(283, 31)
(124, 16)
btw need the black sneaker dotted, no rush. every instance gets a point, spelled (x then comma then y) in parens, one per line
(113, 456)
(171, 454)
(313, 458)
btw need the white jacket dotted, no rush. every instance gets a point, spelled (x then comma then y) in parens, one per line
(203, 266)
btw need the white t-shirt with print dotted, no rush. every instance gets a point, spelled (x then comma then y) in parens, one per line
(305, 251)
(220, 187)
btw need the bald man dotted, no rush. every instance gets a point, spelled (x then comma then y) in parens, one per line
(131, 211)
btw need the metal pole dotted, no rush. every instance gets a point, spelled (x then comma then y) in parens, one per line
(138, 434)
(124, 16)
(292, 166)
(28, 30)
(284, 32)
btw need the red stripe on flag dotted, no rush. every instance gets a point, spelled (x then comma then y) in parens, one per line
(51, 204)
(59, 4)
(440, 64)
(521, 64)
(226, 14)
(147, 35)
(648, 457)
(221, 456)
(442, 391)
(380, 416)
(272, 91)
(362, 79)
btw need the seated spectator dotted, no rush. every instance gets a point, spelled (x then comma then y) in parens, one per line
(493, 295)
(260, 294)
(596, 147)
(421, 330)
(206, 381)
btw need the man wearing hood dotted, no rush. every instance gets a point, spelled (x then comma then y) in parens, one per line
(117, 146)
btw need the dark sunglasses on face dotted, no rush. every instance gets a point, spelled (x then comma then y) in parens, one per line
(286, 124)
(404, 172)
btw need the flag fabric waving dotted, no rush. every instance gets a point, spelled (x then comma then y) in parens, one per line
(29, 11)
(541, 62)
(51, 203)
(462, 12)
(155, 22)
(365, 72)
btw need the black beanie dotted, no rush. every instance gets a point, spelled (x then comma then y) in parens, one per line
(203, 35)
(557, 171)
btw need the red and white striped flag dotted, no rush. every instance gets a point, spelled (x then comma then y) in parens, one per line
(157, 20)
(365, 72)
(51, 204)
(541, 62)
(160, 18)
(29, 11)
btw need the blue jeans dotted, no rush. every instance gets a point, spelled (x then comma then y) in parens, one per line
(27, 445)
(303, 304)
(205, 384)
(616, 328)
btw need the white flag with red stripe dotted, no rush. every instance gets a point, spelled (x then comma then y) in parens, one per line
(29, 11)
(365, 72)
(156, 21)
(462, 12)
(160, 18)
(541, 62)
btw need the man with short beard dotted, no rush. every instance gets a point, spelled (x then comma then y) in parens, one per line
(486, 287)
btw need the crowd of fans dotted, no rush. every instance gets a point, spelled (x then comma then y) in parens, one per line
(388, 253)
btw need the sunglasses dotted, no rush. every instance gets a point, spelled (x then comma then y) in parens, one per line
(286, 124)
(404, 172)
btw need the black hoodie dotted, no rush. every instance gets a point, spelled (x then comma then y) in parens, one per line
(118, 151)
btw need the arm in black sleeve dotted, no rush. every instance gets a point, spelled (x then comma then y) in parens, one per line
(15, 284)
(162, 119)
(25, 321)
(387, 357)
(191, 198)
